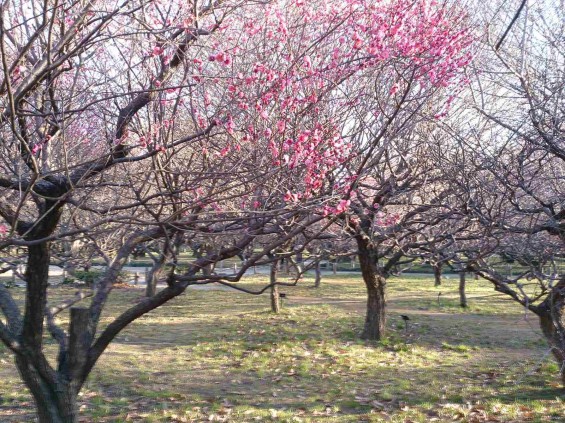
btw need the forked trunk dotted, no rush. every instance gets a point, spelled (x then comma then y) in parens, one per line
(54, 392)
(63, 410)
(375, 319)
(55, 402)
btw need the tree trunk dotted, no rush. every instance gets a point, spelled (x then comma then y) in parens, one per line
(375, 319)
(318, 273)
(54, 392)
(151, 283)
(275, 299)
(153, 277)
(37, 279)
(64, 410)
(551, 313)
(55, 402)
(437, 274)
(462, 294)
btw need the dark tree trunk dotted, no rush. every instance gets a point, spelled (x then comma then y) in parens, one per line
(462, 294)
(275, 299)
(54, 392)
(375, 319)
(56, 402)
(318, 273)
(37, 279)
(437, 274)
(551, 313)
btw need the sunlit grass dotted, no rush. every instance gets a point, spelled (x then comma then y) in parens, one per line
(222, 356)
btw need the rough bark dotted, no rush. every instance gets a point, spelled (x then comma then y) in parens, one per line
(551, 313)
(55, 393)
(55, 400)
(275, 299)
(462, 293)
(375, 319)
(37, 278)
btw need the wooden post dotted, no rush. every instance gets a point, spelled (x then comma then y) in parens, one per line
(335, 267)
(136, 278)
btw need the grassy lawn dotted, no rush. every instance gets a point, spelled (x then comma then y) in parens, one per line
(214, 355)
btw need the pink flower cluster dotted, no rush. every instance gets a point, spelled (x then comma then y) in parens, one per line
(286, 77)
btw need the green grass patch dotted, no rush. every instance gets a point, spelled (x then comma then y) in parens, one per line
(215, 355)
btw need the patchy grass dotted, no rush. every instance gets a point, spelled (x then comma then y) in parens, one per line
(214, 355)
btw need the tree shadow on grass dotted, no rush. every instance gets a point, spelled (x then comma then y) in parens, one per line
(307, 359)
(349, 393)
